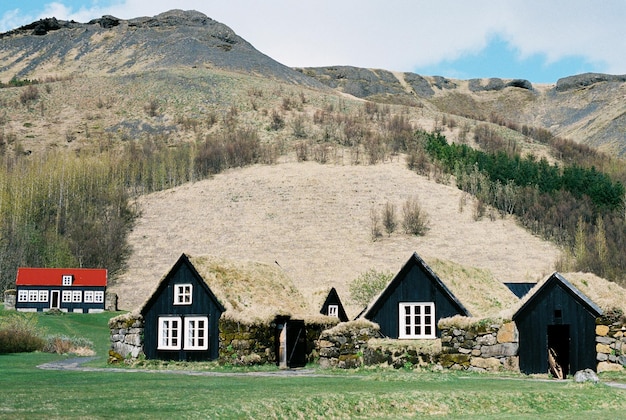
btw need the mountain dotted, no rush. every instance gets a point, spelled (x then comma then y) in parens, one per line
(158, 91)
(112, 46)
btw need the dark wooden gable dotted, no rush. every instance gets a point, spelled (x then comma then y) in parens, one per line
(559, 316)
(520, 289)
(415, 282)
(161, 303)
(333, 299)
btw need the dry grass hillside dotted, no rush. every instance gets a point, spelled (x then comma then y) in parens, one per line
(314, 222)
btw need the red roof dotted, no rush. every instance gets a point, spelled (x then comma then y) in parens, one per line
(54, 276)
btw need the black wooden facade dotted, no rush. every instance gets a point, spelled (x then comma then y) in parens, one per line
(414, 283)
(181, 302)
(561, 317)
(333, 303)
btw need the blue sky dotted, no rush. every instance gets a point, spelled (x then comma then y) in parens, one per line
(540, 41)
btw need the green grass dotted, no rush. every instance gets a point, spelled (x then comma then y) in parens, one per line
(29, 392)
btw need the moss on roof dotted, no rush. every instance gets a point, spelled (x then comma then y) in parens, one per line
(477, 289)
(251, 291)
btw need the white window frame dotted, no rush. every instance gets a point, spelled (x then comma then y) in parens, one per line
(333, 310)
(89, 296)
(183, 294)
(67, 279)
(196, 333)
(66, 296)
(169, 333)
(43, 296)
(33, 295)
(77, 296)
(22, 295)
(418, 318)
(98, 296)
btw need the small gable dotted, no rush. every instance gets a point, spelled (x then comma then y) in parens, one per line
(520, 289)
(333, 307)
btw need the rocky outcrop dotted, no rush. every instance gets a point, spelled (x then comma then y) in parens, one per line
(586, 79)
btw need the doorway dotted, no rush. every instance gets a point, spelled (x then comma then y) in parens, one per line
(54, 299)
(558, 350)
(290, 339)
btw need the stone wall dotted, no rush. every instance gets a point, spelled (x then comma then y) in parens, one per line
(611, 347)
(126, 337)
(483, 346)
(343, 345)
(10, 299)
(246, 344)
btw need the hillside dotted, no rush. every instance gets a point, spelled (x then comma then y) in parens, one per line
(314, 221)
(150, 95)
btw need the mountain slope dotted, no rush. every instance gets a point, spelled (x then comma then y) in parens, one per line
(314, 221)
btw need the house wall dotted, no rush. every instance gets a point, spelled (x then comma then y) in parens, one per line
(415, 287)
(82, 306)
(201, 305)
(542, 312)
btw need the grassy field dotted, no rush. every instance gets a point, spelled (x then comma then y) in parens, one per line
(30, 392)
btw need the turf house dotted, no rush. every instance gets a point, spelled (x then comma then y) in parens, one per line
(413, 302)
(206, 308)
(80, 290)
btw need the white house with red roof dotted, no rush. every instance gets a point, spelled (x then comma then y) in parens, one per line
(66, 289)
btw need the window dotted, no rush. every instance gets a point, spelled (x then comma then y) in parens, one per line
(43, 296)
(88, 296)
(333, 310)
(196, 333)
(66, 296)
(67, 280)
(77, 296)
(182, 294)
(417, 320)
(98, 297)
(22, 296)
(169, 333)
(33, 295)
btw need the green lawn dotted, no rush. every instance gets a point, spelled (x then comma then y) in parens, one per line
(29, 392)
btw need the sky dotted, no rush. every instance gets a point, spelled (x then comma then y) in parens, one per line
(536, 40)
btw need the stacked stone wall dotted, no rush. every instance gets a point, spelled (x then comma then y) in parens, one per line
(611, 347)
(126, 337)
(344, 345)
(480, 347)
(10, 299)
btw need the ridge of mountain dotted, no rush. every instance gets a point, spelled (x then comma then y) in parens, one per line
(110, 46)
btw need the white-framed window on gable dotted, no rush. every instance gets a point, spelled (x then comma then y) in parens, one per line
(182, 294)
(33, 295)
(43, 296)
(98, 296)
(417, 320)
(88, 296)
(66, 297)
(333, 310)
(22, 296)
(196, 333)
(169, 333)
(67, 279)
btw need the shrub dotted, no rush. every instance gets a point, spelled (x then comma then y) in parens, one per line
(389, 218)
(375, 228)
(415, 220)
(62, 344)
(369, 284)
(19, 334)
(30, 94)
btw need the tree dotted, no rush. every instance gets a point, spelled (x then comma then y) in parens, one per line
(369, 284)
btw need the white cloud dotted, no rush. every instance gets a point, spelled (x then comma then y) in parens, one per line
(394, 34)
